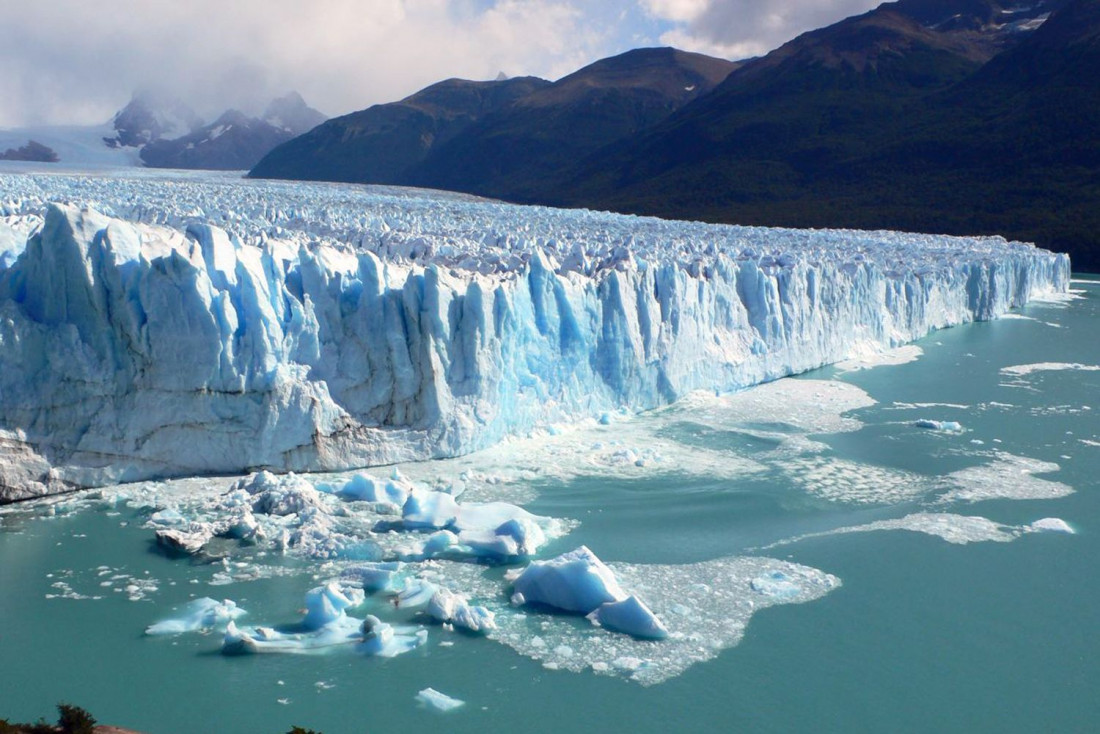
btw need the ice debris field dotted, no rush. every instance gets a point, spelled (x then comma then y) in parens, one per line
(157, 326)
(443, 552)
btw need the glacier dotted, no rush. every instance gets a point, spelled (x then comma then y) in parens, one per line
(156, 324)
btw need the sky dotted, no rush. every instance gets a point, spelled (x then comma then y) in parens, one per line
(77, 62)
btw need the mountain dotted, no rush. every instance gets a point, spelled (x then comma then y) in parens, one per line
(545, 131)
(494, 137)
(291, 113)
(382, 143)
(32, 151)
(815, 103)
(151, 116)
(234, 141)
(944, 116)
(161, 131)
(953, 117)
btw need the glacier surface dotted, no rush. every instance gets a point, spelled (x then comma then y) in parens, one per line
(157, 325)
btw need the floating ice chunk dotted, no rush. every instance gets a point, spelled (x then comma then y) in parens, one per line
(438, 542)
(342, 632)
(447, 606)
(490, 515)
(384, 640)
(577, 581)
(326, 604)
(315, 534)
(513, 539)
(776, 584)
(1053, 525)
(168, 516)
(417, 593)
(429, 510)
(942, 426)
(630, 616)
(526, 533)
(200, 614)
(437, 701)
(500, 531)
(280, 495)
(371, 489)
(374, 577)
(326, 627)
(189, 541)
(245, 528)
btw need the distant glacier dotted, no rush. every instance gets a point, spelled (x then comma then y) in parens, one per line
(159, 325)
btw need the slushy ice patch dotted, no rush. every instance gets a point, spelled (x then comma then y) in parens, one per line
(953, 528)
(703, 607)
(1007, 477)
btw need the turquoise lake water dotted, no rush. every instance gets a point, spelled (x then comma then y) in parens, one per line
(998, 634)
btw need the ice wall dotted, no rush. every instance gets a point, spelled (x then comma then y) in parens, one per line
(301, 335)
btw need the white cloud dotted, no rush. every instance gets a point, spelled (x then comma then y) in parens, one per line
(741, 28)
(684, 39)
(679, 11)
(75, 61)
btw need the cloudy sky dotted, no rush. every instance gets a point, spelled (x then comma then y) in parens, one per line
(74, 61)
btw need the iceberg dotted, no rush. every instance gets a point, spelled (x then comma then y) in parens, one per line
(325, 627)
(370, 489)
(429, 510)
(630, 616)
(374, 577)
(326, 604)
(579, 582)
(576, 581)
(1053, 525)
(433, 699)
(417, 593)
(200, 614)
(154, 327)
(450, 608)
(941, 426)
(384, 640)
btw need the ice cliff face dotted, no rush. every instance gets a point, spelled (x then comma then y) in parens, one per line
(158, 327)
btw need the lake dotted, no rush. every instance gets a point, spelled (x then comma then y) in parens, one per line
(926, 599)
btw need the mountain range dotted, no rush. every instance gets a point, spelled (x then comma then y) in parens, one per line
(234, 141)
(158, 130)
(491, 136)
(947, 116)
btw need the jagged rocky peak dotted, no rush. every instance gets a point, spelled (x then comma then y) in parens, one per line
(152, 116)
(235, 140)
(291, 113)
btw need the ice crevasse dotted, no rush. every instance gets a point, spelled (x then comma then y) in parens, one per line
(168, 346)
